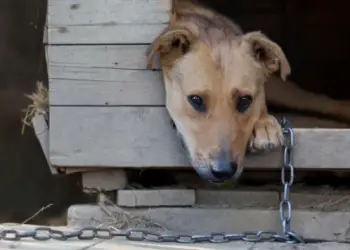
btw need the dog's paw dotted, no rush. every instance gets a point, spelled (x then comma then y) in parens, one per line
(267, 134)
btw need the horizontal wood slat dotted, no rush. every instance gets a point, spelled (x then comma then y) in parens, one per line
(106, 21)
(105, 86)
(143, 137)
(103, 75)
(133, 91)
(100, 56)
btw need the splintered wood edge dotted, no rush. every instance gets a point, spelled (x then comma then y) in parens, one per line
(42, 133)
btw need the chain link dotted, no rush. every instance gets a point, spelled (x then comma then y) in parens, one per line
(90, 233)
(287, 178)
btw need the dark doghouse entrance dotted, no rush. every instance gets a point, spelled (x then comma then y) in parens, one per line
(315, 35)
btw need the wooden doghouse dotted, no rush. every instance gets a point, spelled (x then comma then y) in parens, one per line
(107, 111)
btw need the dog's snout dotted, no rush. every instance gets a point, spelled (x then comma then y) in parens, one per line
(224, 170)
(221, 168)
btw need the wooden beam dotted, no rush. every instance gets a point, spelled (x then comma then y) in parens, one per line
(109, 136)
(110, 22)
(330, 226)
(143, 137)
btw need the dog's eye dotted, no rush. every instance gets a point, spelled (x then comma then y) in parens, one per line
(197, 102)
(243, 103)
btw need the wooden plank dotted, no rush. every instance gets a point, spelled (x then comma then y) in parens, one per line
(99, 56)
(105, 34)
(120, 136)
(107, 21)
(309, 224)
(156, 198)
(72, 170)
(105, 86)
(104, 180)
(143, 137)
(100, 75)
(94, 12)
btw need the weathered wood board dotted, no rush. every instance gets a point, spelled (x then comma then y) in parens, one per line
(143, 137)
(330, 226)
(99, 56)
(107, 21)
(103, 75)
(105, 86)
(113, 136)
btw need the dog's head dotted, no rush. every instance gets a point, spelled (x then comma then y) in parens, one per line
(214, 86)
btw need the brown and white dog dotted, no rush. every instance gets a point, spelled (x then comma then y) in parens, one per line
(217, 80)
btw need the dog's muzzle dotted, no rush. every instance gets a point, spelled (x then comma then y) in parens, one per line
(220, 170)
(223, 167)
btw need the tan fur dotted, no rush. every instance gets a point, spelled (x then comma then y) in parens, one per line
(221, 65)
(203, 53)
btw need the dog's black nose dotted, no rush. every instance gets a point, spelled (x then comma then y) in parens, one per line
(234, 167)
(224, 171)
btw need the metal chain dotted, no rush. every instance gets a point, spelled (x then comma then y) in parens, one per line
(90, 233)
(287, 178)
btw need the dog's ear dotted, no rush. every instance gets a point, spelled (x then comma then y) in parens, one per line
(173, 43)
(268, 53)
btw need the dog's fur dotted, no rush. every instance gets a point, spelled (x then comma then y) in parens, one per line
(205, 54)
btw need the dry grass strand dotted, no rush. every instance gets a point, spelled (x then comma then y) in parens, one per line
(39, 105)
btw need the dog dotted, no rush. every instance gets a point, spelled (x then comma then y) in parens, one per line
(218, 81)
